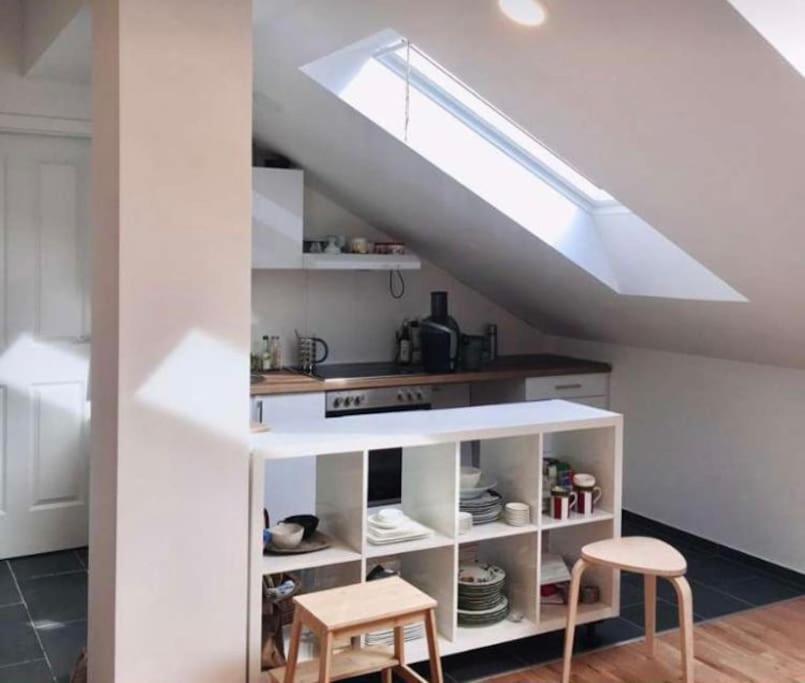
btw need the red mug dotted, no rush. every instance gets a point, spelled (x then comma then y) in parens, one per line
(563, 500)
(588, 493)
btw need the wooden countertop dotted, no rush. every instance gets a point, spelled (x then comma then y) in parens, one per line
(505, 367)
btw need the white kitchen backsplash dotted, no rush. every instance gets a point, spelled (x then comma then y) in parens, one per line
(353, 310)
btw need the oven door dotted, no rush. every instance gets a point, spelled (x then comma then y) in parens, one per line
(385, 465)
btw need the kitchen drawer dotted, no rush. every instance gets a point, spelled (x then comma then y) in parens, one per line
(566, 386)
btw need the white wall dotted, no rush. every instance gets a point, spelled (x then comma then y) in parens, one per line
(711, 446)
(353, 311)
(31, 96)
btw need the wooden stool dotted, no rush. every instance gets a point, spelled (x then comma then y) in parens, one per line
(652, 558)
(351, 611)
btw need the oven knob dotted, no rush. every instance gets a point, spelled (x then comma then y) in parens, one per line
(400, 396)
(337, 403)
(419, 395)
(409, 395)
(358, 400)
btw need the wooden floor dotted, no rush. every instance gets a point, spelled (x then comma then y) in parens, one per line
(765, 645)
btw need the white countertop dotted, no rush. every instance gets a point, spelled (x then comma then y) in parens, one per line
(291, 439)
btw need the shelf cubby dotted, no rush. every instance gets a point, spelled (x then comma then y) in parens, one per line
(338, 478)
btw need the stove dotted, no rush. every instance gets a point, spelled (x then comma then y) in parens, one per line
(336, 371)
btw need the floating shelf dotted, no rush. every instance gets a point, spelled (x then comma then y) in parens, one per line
(360, 262)
(549, 523)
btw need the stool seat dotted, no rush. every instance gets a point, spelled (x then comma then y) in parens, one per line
(637, 554)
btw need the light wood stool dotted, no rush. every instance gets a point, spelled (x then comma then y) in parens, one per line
(652, 558)
(351, 611)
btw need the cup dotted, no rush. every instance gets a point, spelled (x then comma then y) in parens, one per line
(588, 494)
(563, 500)
(359, 245)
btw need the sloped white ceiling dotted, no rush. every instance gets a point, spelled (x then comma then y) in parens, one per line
(681, 110)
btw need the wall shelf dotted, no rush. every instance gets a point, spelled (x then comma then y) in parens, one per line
(360, 262)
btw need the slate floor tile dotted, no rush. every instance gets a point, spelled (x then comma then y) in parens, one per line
(36, 566)
(761, 590)
(83, 556)
(667, 615)
(716, 571)
(63, 645)
(9, 594)
(29, 672)
(17, 638)
(483, 663)
(54, 599)
(605, 633)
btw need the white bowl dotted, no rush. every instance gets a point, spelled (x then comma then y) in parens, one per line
(470, 476)
(391, 516)
(286, 535)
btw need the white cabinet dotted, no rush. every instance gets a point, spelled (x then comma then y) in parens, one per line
(290, 487)
(566, 386)
(278, 202)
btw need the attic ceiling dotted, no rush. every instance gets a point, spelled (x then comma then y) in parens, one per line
(681, 110)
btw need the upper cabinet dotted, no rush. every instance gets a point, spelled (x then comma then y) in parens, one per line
(278, 202)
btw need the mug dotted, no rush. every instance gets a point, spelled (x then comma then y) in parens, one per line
(588, 493)
(563, 500)
(359, 245)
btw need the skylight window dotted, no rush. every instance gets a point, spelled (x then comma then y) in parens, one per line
(410, 64)
(411, 97)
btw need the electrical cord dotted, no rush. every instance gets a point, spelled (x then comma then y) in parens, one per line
(401, 293)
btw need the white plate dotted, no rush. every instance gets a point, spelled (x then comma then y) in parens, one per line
(477, 491)
(382, 524)
(480, 574)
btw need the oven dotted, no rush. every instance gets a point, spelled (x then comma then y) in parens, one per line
(385, 466)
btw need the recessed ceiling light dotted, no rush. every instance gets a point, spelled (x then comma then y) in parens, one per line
(525, 12)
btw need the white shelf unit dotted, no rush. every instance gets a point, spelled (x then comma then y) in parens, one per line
(590, 439)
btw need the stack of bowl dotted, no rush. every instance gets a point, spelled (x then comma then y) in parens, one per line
(481, 601)
(517, 514)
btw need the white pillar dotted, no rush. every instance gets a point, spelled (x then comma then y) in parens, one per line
(171, 314)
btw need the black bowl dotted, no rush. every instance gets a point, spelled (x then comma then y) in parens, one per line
(309, 522)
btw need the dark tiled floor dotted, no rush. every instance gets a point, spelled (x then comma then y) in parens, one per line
(43, 616)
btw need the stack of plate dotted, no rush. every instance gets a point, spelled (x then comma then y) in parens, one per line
(411, 632)
(517, 514)
(392, 526)
(481, 601)
(484, 508)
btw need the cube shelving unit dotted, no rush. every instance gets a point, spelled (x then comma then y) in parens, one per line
(511, 440)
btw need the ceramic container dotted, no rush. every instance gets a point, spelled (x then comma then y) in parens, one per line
(286, 536)
(470, 476)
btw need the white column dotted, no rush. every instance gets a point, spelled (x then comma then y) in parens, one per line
(171, 314)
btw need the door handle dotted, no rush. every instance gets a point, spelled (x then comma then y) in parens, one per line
(560, 387)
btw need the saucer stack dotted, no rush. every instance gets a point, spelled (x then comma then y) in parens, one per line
(391, 525)
(484, 508)
(481, 601)
(517, 514)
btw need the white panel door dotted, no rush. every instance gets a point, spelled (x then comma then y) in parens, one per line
(44, 343)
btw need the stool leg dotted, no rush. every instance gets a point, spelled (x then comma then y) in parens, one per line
(650, 584)
(433, 647)
(387, 675)
(325, 656)
(685, 600)
(399, 645)
(293, 651)
(572, 609)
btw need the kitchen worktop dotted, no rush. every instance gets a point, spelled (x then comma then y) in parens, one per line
(505, 367)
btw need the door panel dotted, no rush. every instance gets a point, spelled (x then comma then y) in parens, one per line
(44, 350)
(58, 462)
